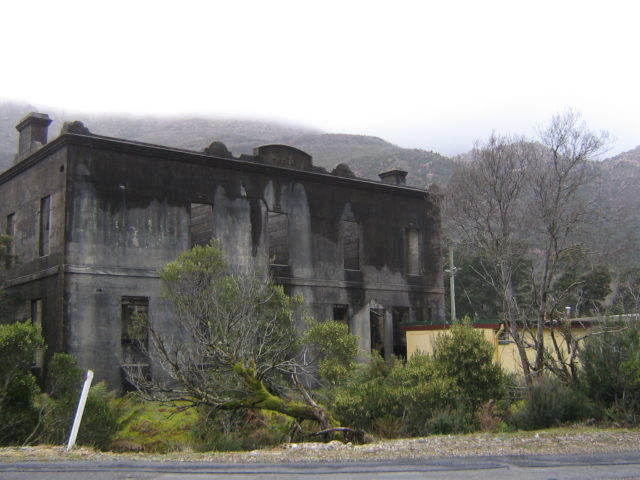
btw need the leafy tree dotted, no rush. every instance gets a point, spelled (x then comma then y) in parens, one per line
(333, 350)
(240, 348)
(19, 414)
(583, 288)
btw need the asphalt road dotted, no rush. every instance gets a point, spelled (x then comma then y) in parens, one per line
(596, 466)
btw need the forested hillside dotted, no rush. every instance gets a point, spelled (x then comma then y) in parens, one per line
(367, 156)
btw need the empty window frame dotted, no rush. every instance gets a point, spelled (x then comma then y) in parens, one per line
(11, 232)
(377, 330)
(341, 313)
(44, 227)
(134, 337)
(412, 249)
(278, 238)
(399, 315)
(504, 337)
(424, 315)
(351, 245)
(200, 223)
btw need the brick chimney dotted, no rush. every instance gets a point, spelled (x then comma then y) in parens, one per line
(394, 176)
(32, 133)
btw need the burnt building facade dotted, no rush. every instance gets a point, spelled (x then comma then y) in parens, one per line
(93, 218)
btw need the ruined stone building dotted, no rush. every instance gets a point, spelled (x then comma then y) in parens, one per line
(93, 218)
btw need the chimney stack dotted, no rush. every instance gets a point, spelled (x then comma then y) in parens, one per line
(394, 176)
(32, 133)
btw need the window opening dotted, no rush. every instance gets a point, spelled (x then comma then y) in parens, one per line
(341, 314)
(44, 226)
(376, 319)
(200, 223)
(504, 337)
(424, 315)
(278, 238)
(399, 316)
(11, 232)
(134, 338)
(351, 241)
(412, 242)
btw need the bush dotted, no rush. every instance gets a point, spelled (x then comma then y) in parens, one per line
(374, 392)
(449, 421)
(334, 348)
(59, 405)
(99, 423)
(550, 403)
(239, 430)
(610, 373)
(427, 394)
(466, 357)
(401, 398)
(19, 413)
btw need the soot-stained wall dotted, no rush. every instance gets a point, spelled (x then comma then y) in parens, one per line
(123, 210)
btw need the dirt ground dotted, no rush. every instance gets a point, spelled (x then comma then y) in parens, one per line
(549, 442)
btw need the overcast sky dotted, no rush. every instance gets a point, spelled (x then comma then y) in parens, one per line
(424, 74)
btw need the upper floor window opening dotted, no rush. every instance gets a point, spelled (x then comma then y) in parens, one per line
(278, 238)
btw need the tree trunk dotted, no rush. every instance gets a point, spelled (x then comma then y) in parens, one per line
(259, 397)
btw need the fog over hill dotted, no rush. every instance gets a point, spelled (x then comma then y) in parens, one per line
(367, 156)
(619, 184)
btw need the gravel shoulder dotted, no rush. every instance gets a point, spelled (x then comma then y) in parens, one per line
(547, 442)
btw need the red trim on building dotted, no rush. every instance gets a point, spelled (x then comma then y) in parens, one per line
(445, 326)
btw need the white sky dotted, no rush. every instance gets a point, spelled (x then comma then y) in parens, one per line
(422, 74)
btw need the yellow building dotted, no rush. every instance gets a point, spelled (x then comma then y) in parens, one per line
(422, 337)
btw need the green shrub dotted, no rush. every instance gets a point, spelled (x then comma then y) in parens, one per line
(239, 430)
(550, 403)
(334, 348)
(59, 406)
(368, 396)
(380, 397)
(19, 413)
(610, 373)
(99, 423)
(466, 357)
(449, 421)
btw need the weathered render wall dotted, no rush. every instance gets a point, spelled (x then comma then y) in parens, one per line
(38, 232)
(123, 210)
(129, 214)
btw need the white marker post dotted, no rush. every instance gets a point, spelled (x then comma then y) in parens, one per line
(80, 410)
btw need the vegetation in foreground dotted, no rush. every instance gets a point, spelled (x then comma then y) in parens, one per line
(424, 396)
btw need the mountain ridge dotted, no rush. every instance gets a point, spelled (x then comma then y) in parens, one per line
(366, 155)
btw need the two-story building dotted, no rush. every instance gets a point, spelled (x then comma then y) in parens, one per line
(93, 218)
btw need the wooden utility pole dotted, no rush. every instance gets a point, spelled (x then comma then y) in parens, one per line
(452, 284)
